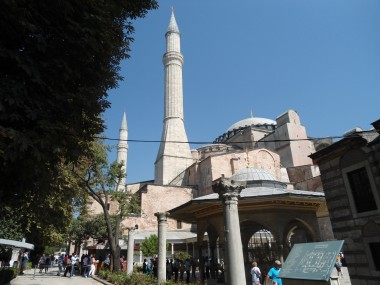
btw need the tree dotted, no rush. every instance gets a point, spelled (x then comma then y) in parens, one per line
(58, 60)
(87, 226)
(99, 179)
(181, 255)
(149, 246)
(10, 225)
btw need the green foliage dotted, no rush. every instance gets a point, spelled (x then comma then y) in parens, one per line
(8, 274)
(49, 250)
(120, 278)
(10, 224)
(99, 180)
(181, 255)
(149, 246)
(58, 61)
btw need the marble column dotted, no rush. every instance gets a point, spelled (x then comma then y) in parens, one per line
(217, 251)
(229, 192)
(131, 247)
(162, 218)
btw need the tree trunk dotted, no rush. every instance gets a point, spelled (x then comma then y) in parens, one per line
(113, 240)
(117, 249)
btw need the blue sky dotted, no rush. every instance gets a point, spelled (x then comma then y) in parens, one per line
(320, 58)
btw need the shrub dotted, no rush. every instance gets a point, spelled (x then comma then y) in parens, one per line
(181, 255)
(7, 274)
(121, 278)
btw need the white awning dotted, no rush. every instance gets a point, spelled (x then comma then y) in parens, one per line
(18, 244)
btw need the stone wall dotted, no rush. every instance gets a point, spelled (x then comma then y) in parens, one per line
(153, 199)
(347, 223)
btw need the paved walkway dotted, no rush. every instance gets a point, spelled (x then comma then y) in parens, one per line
(32, 277)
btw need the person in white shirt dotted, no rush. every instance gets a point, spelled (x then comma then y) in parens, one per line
(256, 274)
(92, 265)
(74, 259)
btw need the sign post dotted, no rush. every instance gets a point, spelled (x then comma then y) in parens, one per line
(311, 263)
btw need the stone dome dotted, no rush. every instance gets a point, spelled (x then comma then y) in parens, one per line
(252, 174)
(252, 121)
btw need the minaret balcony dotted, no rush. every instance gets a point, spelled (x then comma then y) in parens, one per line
(172, 57)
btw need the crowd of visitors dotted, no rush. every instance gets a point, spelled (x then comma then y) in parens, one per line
(175, 269)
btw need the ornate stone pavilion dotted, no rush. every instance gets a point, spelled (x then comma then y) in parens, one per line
(272, 218)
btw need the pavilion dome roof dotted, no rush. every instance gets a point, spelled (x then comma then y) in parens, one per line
(252, 174)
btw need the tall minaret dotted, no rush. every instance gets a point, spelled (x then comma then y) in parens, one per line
(174, 155)
(122, 150)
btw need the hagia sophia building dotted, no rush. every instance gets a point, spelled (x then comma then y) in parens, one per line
(282, 204)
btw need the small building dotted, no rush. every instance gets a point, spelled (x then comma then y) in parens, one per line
(272, 219)
(350, 170)
(16, 248)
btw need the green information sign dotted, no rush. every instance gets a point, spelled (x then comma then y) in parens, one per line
(311, 261)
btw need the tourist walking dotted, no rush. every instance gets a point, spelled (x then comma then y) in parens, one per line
(107, 263)
(92, 265)
(60, 264)
(181, 270)
(338, 266)
(68, 266)
(144, 266)
(175, 270)
(256, 274)
(187, 269)
(169, 270)
(47, 263)
(24, 261)
(148, 267)
(272, 274)
(74, 259)
(41, 262)
(193, 268)
(85, 268)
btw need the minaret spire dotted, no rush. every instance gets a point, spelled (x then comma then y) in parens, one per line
(173, 27)
(122, 150)
(174, 155)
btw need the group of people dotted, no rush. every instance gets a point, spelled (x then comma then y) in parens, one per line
(175, 269)
(45, 262)
(272, 276)
(85, 265)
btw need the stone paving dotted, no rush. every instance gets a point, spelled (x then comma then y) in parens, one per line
(33, 277)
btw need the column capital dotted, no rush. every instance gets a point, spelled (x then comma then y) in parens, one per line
(162, 216)
(228, 189)
(132, 230)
